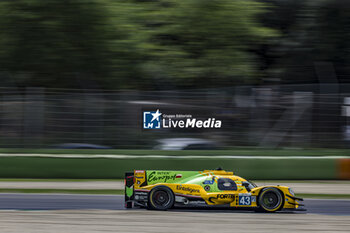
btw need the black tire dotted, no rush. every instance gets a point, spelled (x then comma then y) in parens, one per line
(161, 198)
(270, 200)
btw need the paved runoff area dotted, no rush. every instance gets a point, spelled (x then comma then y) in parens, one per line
(312, 187)
(117, 185)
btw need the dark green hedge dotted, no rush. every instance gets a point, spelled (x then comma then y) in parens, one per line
(36, 167)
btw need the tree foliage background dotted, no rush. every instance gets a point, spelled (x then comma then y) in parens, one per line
(168, 44)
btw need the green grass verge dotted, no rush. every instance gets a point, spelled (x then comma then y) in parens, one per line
(71, 191)
(56, 180)
(301, 181)
(75, 168)
(236, 151)
(121, 180)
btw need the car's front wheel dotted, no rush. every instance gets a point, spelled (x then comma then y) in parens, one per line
(161, 198)
(270, 200)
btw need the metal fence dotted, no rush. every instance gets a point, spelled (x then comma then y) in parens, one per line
(266, 116)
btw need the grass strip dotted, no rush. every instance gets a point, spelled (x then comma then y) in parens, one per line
(235, 151)
(104, 168)
(57, 180)
(281, 182)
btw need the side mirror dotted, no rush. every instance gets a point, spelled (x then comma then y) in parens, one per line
(246, 185)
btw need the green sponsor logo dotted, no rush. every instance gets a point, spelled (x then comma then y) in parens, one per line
(161, 177)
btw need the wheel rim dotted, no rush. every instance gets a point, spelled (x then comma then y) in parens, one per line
(161, 198)
(271, 200)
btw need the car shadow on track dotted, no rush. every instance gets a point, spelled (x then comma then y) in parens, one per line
(227, 210)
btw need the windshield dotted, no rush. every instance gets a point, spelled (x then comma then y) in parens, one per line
(251, 184)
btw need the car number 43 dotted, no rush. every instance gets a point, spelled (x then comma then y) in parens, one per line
(245, 200)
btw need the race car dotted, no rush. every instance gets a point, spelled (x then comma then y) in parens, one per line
(162, 190)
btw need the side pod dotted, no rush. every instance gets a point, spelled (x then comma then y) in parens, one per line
(129, 189)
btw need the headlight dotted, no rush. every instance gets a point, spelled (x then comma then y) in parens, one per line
(291, 191)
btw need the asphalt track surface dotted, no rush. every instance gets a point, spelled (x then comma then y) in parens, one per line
(27, 202)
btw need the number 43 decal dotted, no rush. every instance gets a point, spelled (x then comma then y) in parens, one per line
(245, 200)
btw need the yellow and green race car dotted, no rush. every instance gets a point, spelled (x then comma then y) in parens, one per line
(162, 190)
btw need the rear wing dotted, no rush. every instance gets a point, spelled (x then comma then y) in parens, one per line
(141, 178)
(138, 179)
(129, 189)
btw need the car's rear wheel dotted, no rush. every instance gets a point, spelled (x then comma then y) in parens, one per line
(161, 198)
(270, 200)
